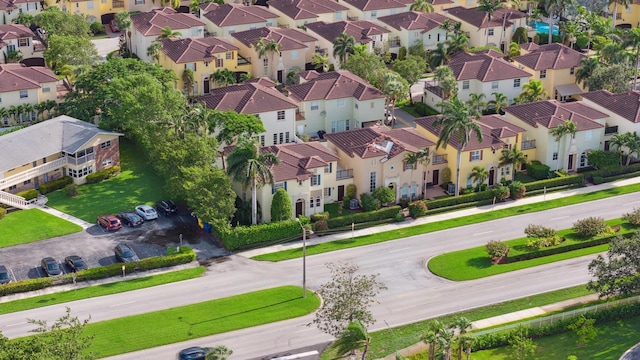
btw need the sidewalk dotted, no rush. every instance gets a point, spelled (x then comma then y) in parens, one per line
(85, 225)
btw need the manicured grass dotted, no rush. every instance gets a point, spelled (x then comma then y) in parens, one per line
(474, 263)
(447, 224)
(183, 323)
(137, 184)
(332, 209)
(524, 178)
(25, 226)
(100, 290)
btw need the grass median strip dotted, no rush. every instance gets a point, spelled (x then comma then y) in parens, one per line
(100, 290)
(42, 225)
(447, 224)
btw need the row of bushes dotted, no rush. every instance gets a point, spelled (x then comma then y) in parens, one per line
(551, 183)
(381, 214)
(240, 237)
(185, 256)
(28, 194)
(461, 199)
(615, 171)
(103, 175)
(562, 249)
(54, 185)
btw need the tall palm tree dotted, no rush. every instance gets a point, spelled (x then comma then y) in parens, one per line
(513, 157)
(264, 48)
(489, 6)
(633, 144)
(457, 125)
(587, 66)
(354, 337)
(394, 86)
(632, 39)
(430, 337)
(618, 141)
(411, 158)
(123, 18)
(188, 81)
(531, 92)
(438, 56)
(568, 127)
(478, 176)
(14, 112)
(499, 101)
(462, 324)
(28, 111)
(343, 46)
(223, 77)
(153, 51)
(320, 61)
(475, 101)
(248, 166)
(456, 42)
(50, 107)
(424, 159)
(423, 6)
(465, 344)
(168, 33)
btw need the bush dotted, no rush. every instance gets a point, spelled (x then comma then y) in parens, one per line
(563, 249)
(241, 237)
(372, 216)
(320, 216)
(369, 203)
(418, 208)
(555, 182)
(55, 184)
(537, 170)
(539, 231)
(462, 199)
(3, 213)
(517, 190)
(321, 225)
(399, 217)
(632, 217)
(497, 249)
(25, 286)
(103, 175)
(351, 191)
(281, 207)
(501, 192)
(71, 190)
(590, 227)
(544, 242)
(384, 194)
(615, 171)
(29, 194)
(402, 53)
(96, 28)
(597, 180)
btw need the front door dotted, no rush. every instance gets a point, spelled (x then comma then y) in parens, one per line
(436, 177)
(299, 210)
(571, 157)
(340, 192)
(280, 72)
(492, 176)
(206, 85)
(606, 146)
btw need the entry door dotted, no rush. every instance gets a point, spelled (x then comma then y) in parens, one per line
(299, 208)
(492, 176)
(436, 177)
(340, 192)
(206, 85)
(280, 72)
(571, 157)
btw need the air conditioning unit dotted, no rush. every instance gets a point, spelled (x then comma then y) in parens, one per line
(451, 189)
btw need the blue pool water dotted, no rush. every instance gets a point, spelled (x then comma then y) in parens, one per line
(542, 27)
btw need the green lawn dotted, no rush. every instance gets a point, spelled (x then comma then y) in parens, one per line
(447, 224)
(474, 263)
(137, 184)
(25, 226)
(100, 290)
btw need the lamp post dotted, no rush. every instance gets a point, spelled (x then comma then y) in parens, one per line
(304, 259)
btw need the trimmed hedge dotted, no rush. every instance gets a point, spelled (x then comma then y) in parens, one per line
(461, 199)
(241, 237)
(559, 181)
(25, 286)
(54, 185)
(381, 214)
(103, 175)
(3, 212)
(537, 170)
(28, 194)
(609, 172)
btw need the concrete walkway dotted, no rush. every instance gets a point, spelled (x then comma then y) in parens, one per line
(85, 225)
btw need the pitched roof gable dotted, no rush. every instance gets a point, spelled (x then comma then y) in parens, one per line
(237, 14)
(14, 31)
(192, 50)
(483, 67)
(289, 39)
(334, 85)
(368, 5)
(248, 98)
(151, 23)
(414, 20)
(306, 9)
(480, 19)
(626, 104)
(360, 30)
(551, 56)
(14, 77)
(551, 113)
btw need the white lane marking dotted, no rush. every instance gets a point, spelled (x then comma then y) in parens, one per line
(483, 233)
(559, 217)
(631, 203)
(124, 303)
(395, 250)
(405, 308)
(16, 324)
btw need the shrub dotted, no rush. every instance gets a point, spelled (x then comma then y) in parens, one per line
(321, 225)
(402, 53)
(96, 28)
(281, 207)
(539, 231)
(418, 208)
(3, 212)
(369, 203)
(103, 175)
(71, 190)
(597, 180)
(555, 182)
(372, 216)
(537, 170)
(384, 194)
(632, 217)
(351, 191)
(462, 199)
(28, 194)
(55, 184)
(590, 227)
(399, 217)
(497, 249)
(320, 216)
(250, 236)
(501, 192)
(25, 285)
(517, 190)
(446, 175)
(615, 171)
(544, 242)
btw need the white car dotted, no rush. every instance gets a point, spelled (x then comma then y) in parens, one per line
(146, 212)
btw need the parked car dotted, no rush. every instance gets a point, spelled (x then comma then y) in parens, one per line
(113, 25)
(76, 263)
(146, 212)
(42, 33)
(130, 219)
(109, 222)
(166, 207)
(125, 254)
(50, 266)
(4, 275)
(193, 353)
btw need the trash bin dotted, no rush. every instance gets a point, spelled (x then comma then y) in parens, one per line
(207, 228)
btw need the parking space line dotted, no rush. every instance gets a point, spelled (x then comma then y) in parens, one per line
(13, 274)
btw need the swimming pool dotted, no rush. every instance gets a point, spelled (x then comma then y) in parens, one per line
(542, 27)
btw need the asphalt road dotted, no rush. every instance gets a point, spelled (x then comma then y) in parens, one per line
(414, 293)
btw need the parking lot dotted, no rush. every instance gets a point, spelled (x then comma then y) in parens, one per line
(95, 245)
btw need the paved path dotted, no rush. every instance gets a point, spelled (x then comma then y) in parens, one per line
(85, 225)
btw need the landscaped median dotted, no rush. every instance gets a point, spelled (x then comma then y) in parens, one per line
(25, 226)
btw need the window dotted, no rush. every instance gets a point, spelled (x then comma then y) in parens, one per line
(278, 185)
(11, 47)
(318, 204)
(408, 166)
(281, 138)
(583, 159)
(23, 42)
(315, 180)
(81, 172)
(328, 169)
(105, 144)
(280, 115)
(339, 125)
(555, 156)
(191, 66)
(476, 155)
(465, 85)
(24, 94)
(338, 15)
(356, 106)
(372, 181)
(414, 189)
(490, 32)
(275, 139)
(404, 192)
(90, 5)
(340, 102)
(294, 54)
(516, 83)
(261, 140)
(374, 14)
(286, 137)
(311, 202)
(494, 85)
(507, 170)
(314, 105)
(229, 55)
(572, 70)
(139, 2)
(220, 62)
(46, 88)
(107, 162)
(543, 74)
(26, 182)
(327, 192)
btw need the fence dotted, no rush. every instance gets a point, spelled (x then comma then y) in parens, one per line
(549, 320)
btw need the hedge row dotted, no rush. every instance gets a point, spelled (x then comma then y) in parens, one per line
(605, 173)
(240, 237)
(185, 256)
(559, 181)
(28, 194)
(55, 184)
(461, 199)
(103, 175)
(376, 215)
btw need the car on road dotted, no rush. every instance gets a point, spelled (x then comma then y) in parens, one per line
(130, 219)
(113, 25)
(193, 353)
(75, 263)
(166, 207)
(50, 266)
(146, 212)
(4, 275)
(125, 254)
(109, 222)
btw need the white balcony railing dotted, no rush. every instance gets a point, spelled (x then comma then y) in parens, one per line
(32, 173)
(14, 200)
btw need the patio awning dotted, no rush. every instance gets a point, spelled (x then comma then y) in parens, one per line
(568, 89)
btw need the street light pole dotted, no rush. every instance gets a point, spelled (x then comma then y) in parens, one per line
(304, 259)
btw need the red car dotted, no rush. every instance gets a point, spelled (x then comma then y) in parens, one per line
(109, 222)
(114, 26)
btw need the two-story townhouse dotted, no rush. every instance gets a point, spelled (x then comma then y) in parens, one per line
(376, 157)
(335, 101)
(296, 50)
(147, 26)
(623, 110)
(480, 73)
(483, 30)
(626, 16)
(297, 13)
(20, 85)
(372, 9)
(10, 9)
(203, 56)
(258, 97)
(365, 32)
(570, 153)
(224, 20)
(18, 38)
(555, 66)
(497, 134)
(62, 146)
(410, 27)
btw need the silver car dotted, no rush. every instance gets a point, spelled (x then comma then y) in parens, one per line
(146, 212)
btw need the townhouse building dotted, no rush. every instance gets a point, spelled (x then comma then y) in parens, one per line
(412, 27)
(483, 30)
(623, 110)
(224, 20)
(297, 13)
(21, 85)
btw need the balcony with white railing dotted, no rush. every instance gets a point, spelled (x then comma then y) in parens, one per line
(528, 144)
(344, 174)
(80, 160)
(32, 173)
(439, 159)
(14, 200)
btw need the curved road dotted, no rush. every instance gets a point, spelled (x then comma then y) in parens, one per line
(414, 293)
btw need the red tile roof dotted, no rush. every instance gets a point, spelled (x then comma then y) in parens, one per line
(368, 5)
(530, 46)
(361, 30)
(151, 23)
(237, 14)
(15, 77)
(306, 9)
(551, 113)
(626, 104)
(483, 67)
(289, 39)
(414, 20)
(334, 85)
(248, 98)
(10, 5)
(191, 50)
(480, 19)
(13, 32)
(551, 56)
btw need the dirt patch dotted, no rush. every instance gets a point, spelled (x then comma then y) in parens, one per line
(163, 237)
(212, 261)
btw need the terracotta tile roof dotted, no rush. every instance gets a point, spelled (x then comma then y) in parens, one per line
(480, 19)
(191, 50)
(626, 104)
(359, 30)
(237, 14)
(483, 67)
(151, 23)
(306, 9)
(413, 20)
(248, 98)
(551, 56)
(551, 113)
(14, 31)
(9, 5)
(529, 46)
(15, 77)
(264, 81)
(378, 141)
(367, 5)
(289, 39)
(307, 74)
(441, 2)
(334, 85)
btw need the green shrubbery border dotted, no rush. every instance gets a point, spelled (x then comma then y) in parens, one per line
(103, 175)
(243, 237)
(28, 194)
(55, 184)
(363, 217)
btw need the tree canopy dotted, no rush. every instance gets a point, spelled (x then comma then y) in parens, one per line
(616, 273)
(59, 23)
(70, 50)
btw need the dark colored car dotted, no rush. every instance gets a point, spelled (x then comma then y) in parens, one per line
(166, 207)
(50, 266)
(4, 275)
(130, 219)
(125, 254)
(193, 353)
(114, 26)
(109, 222)
(76, 263)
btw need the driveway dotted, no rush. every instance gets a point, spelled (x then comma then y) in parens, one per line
(105, 46)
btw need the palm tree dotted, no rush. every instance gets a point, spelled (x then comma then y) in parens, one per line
(343, 45)
(465, 344)
(430, 337)
(475, 102)
(568, 127)
(618, 141)
(14, 111)
(446, 81)
(4, 114)
(478, 176)
(264, 48)
(489, 6)
(531, 92)
(424, 159)
(499, 101)
(153, 51)
(50, 106)
(411, 159)
(28, 111)
(513, 157)
(194, 7)
(456, 42)
(248, 166)
(457, 126)
(123, 18)
(223, 77)
(587, 66)
(188, 80)
(462, 324)
(633, 144)
(354, 337)
(423, 6)
(320, 61)
(219, 352)
(632, 39)
(438, 56)
(394, 86)
(39, 109)
(514, 50)
(168, 33)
